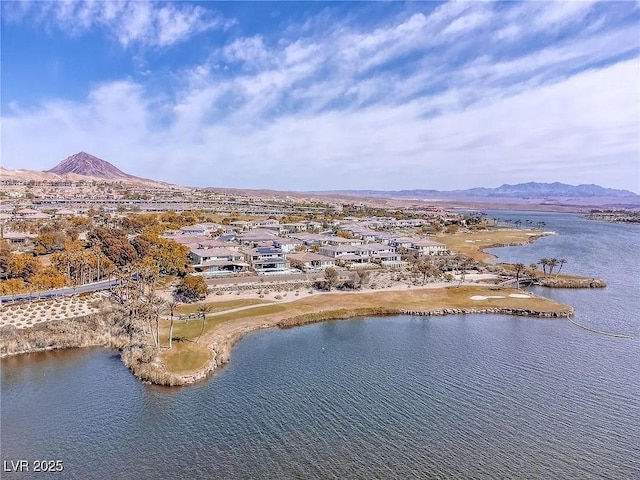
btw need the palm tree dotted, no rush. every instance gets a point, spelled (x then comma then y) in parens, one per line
(519, 268)
(562, 261)
(544, 262)
(171, 306)
(552, 264)
(203, 310)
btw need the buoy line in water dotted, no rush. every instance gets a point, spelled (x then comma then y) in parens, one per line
(600, 332)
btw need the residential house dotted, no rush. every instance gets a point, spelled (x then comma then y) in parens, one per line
(18, 238)
(424, 247)
(253, 237)
(343, 241)
(347, 253)
(266, 259)
(287, 245)
(200, 229)
(217, 260)
(311, 261)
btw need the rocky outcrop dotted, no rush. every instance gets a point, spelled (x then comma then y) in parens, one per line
(571, 282)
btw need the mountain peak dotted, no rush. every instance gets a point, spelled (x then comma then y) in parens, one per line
(83, 163)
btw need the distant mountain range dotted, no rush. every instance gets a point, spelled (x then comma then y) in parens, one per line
(84, 166)
(532, 192)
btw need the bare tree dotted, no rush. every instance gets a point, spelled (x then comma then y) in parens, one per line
(428, 268)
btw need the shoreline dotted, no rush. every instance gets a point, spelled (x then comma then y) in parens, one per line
(95, 330)
(188, 363)
(221, 339)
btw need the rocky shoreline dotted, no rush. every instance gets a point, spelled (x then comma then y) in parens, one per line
(96, 331)
(223, 344)
(571, 282)
(615, 217)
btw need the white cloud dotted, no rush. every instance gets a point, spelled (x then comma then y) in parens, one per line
(130, 22)
(566, 131)
(327, 111)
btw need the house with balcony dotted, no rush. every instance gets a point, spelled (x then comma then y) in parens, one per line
(425, 247)
(217, 260)
(343, 241)
(345, 253)
(266, 259)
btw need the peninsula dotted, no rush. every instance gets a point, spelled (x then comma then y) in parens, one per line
(173, 277)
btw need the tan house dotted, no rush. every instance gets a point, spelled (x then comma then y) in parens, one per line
(311, 261)
(424, 247)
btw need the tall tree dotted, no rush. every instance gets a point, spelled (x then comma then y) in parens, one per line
(171, 307)
(518, 268)
(553, 263)
(202, 311)
(544, 262)
(562, 261)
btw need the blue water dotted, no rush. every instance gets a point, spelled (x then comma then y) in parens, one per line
(466, 397)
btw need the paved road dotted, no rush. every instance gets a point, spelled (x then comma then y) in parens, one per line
(60, 292)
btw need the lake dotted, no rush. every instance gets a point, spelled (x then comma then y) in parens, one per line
(468, 396)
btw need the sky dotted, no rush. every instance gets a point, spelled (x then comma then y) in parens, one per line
(327, 95)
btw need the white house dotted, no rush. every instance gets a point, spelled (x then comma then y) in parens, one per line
(425, 247)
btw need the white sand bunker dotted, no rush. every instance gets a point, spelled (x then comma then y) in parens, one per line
(519, 295)
(483, 297)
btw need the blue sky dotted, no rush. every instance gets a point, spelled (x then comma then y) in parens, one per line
(327, 95)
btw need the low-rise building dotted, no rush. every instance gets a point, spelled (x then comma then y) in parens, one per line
(266, 259)
(310, 260)
(424, 247)
(217, 260)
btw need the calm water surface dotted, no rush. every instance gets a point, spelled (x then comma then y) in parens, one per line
(405, 397)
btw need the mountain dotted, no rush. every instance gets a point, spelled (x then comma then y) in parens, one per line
(84, 167)
(523, 193)
(556, 189)
(85, 164)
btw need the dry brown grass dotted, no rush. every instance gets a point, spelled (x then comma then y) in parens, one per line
(185, 357)
(472, 244)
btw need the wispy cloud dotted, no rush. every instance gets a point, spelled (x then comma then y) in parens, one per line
(406, 103)
(155, 24)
